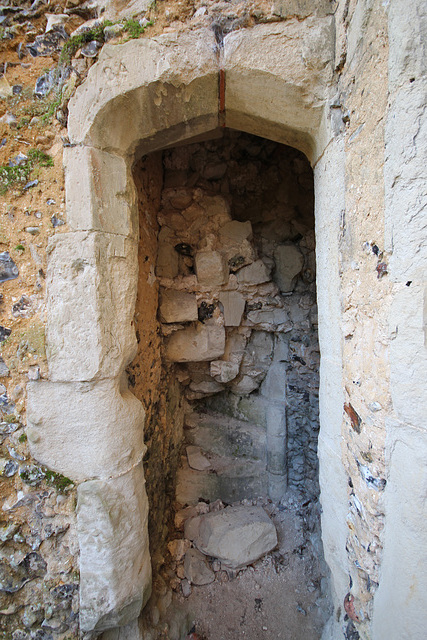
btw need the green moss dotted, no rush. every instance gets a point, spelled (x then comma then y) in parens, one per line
(19, 247)
(23, 437)
(34, 339)
(134, 29)
(74, 43)
(18, 176)
(59, 482)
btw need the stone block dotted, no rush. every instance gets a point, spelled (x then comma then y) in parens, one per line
(197, 570)
(91, 293)
(132, 75)
(244, 385)
(115, 567)
(167, 265)
(236, 232)
(224, 371)
(84, 430)
(196, 344)
(99, 195)
(274, 385)
(289, 263)
(272, 319)
(206, 386)
(255, 273)
(211, 268)
(177, 306)
(234, 305)
(237, 536)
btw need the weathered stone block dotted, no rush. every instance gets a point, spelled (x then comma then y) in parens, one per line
(236, 535)
(255, 273)
(177, 306)
(289, 262)
(91, 293)
(234, 305)
(211, 268)
(197, 344)
(99, 193)
(115, 567)
(224, 371)
(84, 430)
(167, 265)
(197, 570)
(236, 232)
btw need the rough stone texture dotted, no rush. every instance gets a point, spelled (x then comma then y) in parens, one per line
(289, 263)
(197, 570)
(85, 430)
(255, 273)
(211, 268)
(177, 306)
(236, 536)
(277, 84)
(205, 342)
(99, 199)
(187, 79)
(115, 569)
(89, 276)
(234, 306)
(292, 55)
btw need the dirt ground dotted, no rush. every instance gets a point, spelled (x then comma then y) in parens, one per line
(283, 596)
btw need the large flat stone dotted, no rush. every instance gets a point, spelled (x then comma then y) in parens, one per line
(196, 344)
(115, 567)
(236, 535)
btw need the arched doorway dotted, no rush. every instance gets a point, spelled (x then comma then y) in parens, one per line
(139, 98)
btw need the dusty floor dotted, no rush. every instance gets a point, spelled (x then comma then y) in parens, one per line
(282, 596)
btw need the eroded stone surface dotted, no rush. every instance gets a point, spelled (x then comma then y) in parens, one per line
(236, 536)
(115, 568)
(205, 342)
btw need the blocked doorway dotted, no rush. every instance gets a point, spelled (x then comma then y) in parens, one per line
(227, 369)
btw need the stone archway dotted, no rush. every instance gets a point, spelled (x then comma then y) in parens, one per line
(273, 81)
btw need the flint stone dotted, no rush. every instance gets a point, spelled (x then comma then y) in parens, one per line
(234, 305)
(8, 269)
(289, 262)
(211, 268)
(177, 306)
(237, 536)
(196, 568)
(196, 344)
(255, 273)
(4, 369)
